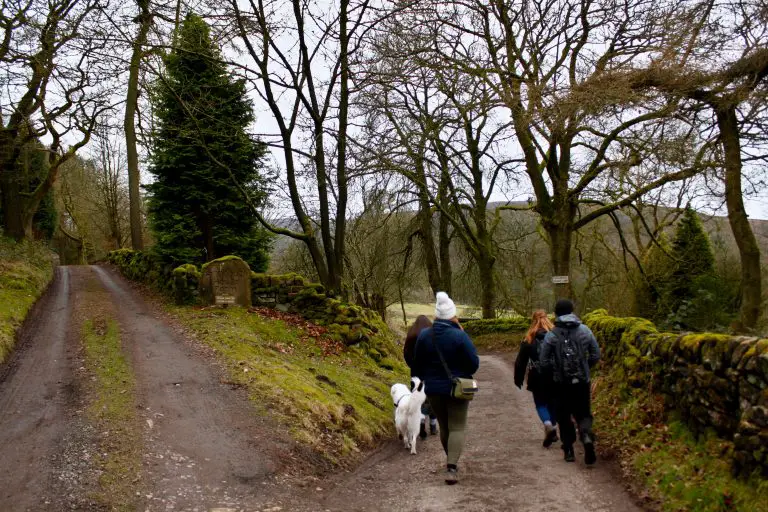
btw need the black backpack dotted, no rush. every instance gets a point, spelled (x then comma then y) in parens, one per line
(569, 357)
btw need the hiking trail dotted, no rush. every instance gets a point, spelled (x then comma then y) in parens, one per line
(205, 446)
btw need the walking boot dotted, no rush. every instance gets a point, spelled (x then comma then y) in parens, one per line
(550, 435)
(423, 431)
(589, 450)
(569, 456)
(433, 428)
(451, 476)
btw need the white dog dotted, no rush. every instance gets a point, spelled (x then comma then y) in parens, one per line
(408, 411)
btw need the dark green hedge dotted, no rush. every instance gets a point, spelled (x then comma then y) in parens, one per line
(496, 325)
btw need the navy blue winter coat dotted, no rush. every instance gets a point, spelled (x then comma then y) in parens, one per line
(457, 349)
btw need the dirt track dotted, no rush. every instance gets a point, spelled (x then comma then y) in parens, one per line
(206, 448)
(503, 467)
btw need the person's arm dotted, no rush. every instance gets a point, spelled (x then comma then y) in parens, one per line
(593, 349)
(521, 364)
(472, 360)
(415, 363)
(545, 356)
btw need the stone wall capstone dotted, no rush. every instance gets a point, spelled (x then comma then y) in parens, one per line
(713, 381)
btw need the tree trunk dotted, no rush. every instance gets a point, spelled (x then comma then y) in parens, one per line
(13, 204)
(444, 241)
(210, 254)
(129, 124)
(560, 235)
(751, 279)
(424, 222)
(487, 294)
(341, 146)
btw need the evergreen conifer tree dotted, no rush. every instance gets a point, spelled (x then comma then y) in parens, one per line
(196, 211)
(694, 258)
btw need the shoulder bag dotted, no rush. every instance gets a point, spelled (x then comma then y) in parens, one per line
(461, 388)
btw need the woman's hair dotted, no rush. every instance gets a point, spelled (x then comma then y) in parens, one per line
(539, 321)
(421, 322)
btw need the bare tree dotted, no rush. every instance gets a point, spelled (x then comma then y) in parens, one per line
(112, 201)
(144, 20)
(442, 131)
(704, 74)
(300, 67)
(50, 55)
(578, 136)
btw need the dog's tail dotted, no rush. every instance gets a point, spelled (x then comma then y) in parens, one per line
(417, 390)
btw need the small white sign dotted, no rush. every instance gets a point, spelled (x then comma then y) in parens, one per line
(225, 299)
(560, 279)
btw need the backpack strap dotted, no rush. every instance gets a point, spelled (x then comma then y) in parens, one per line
(440, 354)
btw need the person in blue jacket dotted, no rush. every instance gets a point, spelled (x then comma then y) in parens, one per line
(569, 351)
(447, 335)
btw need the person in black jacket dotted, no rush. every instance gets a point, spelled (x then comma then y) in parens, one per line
(539, 381)
(570, 350)
(421, 323)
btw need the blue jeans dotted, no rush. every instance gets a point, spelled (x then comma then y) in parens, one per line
(545, 409)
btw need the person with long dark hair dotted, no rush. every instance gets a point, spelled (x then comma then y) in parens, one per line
(540, 382)
(421, 323)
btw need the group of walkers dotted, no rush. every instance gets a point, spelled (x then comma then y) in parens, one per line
(557, 358)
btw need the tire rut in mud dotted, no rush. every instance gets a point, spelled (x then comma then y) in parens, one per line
(205, 444)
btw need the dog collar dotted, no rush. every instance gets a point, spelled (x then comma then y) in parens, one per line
(398, 402)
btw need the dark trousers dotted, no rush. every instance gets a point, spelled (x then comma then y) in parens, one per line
(573, 400)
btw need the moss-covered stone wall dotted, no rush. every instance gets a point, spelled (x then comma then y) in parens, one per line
(289, 292)
(714, 381)
(293, 293)
(496, 325)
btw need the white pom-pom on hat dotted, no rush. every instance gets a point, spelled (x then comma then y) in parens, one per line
(445, 309)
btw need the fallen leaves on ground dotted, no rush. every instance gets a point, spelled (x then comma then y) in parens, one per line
(317, 333)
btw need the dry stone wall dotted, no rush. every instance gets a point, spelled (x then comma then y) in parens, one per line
(713, 381)
(293, 293)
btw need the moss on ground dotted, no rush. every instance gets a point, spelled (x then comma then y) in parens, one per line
(113, 412)
(679, 472)
(335, 400)
(26, 269)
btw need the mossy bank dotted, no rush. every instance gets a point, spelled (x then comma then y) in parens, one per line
(26, 268)
(331, 397)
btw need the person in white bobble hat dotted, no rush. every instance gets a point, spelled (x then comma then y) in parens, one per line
(460, 356)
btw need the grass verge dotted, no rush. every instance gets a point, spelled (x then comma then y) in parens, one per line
(113, 412)
(25, 271)
(680, 473)
(332, 398)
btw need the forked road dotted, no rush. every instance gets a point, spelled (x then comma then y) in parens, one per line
(205, 447)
